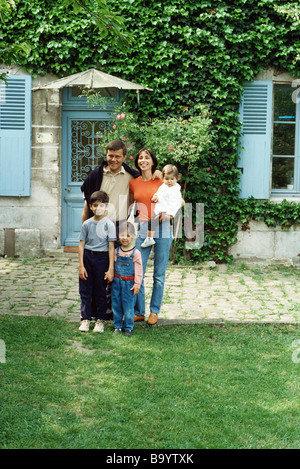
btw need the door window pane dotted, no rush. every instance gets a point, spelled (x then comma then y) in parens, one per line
(86, 144)
(283, 173)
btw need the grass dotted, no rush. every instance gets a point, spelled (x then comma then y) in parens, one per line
(184, 387)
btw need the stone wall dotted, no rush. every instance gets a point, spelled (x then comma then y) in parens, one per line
(40, 213)
(260, 242)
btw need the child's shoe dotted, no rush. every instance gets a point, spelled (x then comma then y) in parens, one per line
(149, 241)
(117, 331)
(84, 326)
(99, 326)
(128, 332)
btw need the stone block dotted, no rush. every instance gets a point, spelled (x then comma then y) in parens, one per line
(258, 244)
(287, 244)
(27, 242)
(9, 242)
(45, 135)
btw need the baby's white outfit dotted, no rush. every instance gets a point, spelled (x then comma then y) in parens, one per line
(169, 199)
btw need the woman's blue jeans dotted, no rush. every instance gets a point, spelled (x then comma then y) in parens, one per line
(163, 240)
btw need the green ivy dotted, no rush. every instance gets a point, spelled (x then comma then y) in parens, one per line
(190, 53)
(284, 214)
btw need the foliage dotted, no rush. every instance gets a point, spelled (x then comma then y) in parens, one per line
(62, 389)
(190, 53)
(10, 52)
(285, 214)
(126, 126)
(105, 23)
(5, 7)
(109, 25)
(181, 141)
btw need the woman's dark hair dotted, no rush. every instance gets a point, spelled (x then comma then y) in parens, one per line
(150, 153)
(99, 195)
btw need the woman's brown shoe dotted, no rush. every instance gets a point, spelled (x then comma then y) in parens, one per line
(138, 318)
(152, 319)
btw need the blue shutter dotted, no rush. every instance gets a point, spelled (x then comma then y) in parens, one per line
(15, 136)
(255, 156)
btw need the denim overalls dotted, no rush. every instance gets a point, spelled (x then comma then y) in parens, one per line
(122, 298)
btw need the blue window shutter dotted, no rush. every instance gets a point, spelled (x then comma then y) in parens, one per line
(15, 136)
(255, 156)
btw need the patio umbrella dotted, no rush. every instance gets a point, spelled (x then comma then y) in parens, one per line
(92, 79)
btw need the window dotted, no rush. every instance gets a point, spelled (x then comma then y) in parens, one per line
(284, 158)
(270, 141)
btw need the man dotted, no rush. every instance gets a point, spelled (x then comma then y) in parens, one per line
(112, 177)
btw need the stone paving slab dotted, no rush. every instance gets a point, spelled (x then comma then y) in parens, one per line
(236, 293)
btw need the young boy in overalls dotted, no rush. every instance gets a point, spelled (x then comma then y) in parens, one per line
(128, 276)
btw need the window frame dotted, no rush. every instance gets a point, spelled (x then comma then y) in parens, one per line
(295, 192)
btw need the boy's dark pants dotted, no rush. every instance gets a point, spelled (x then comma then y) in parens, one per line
(109, 313)
(96, 264)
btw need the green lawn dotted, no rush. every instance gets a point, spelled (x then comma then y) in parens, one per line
(166, 387)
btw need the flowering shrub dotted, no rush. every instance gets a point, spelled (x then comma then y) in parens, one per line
(183, 142)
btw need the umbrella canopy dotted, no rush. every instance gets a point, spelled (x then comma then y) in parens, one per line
(93, 79)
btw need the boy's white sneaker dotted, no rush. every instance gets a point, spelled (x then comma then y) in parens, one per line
(85, 325)
(148, 242)
(99, 326)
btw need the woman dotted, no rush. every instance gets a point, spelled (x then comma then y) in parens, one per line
(142, 190)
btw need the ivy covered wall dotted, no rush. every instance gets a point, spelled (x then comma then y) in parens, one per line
(189, 52)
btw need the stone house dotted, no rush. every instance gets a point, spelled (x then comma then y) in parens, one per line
(49, 141)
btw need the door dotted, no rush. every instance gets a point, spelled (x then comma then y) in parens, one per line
(82, 134)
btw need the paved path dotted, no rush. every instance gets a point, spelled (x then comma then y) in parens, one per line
(240, 293)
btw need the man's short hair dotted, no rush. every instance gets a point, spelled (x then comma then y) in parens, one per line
(116, 145)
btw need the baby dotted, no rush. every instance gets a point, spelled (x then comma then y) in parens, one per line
(168, 200)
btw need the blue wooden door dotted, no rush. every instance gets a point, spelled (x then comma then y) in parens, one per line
(81, 153)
